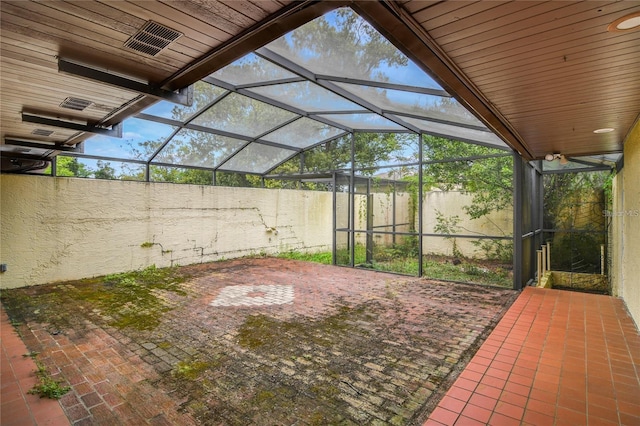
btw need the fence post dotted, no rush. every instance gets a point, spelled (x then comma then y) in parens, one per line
(548, 256)
(539, 252)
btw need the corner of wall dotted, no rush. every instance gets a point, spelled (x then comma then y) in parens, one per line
(627, 282)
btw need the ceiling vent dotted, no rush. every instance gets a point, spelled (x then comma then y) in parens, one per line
(42, 132)
(75, 104)
(152, 38)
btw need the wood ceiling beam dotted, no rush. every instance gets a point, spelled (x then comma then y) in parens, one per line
(115, 131)
(183, 96)
(39, 145)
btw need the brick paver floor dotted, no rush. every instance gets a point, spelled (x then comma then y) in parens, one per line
(257, 341)
(17, 406)
(556, 358)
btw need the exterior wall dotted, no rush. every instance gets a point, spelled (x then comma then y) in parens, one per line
(628, 283)
(616, 237)
(450, 204)
(55, 229)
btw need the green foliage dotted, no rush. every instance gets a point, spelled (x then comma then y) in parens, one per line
(47, 387)
(180, 175)
(448, 226)
(348, 36)
(488, 180)
(130, 299)
(500, 250)
(191, 370)
(564, 191)
(238, 180)
(576, 201)
(322, 257)
(467, 271)
(71, 167)
(104, 171)
(577, 252)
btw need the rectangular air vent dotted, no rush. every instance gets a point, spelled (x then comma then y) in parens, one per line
(42, 132)
(75, 104)
(152, 38)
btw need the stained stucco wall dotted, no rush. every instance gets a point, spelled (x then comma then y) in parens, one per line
(451, 203)
(65, 228)
(628, 281)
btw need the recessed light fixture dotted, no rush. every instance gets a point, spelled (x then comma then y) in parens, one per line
(630, 22)
(604, 130)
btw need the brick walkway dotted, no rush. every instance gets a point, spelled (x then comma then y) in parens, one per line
(556, 358)
(18, 407)
(352, 347)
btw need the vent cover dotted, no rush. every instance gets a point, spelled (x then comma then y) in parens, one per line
(42, 132)
(75, 104)
(152, 38)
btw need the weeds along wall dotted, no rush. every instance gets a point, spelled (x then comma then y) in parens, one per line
(55, 229)
(446, 205)
(449, 207)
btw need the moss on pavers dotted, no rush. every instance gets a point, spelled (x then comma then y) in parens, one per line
(355, 347)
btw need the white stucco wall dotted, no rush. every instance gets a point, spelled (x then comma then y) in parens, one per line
(56, 229)
(627, 282)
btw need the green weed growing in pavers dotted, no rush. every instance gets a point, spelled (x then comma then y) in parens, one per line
(261, 330)
(402, 259)
(191, 370)
(129, 299)
(323, 257)
(47, 386)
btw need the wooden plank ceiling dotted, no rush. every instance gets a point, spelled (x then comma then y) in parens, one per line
(543, 74)
(551, 69)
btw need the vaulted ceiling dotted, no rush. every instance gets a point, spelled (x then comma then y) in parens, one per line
(541, 75)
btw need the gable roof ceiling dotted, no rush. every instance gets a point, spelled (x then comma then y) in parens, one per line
(543, 75)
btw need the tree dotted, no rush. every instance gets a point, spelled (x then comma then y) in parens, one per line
(356, 48)
(71, 167)
(104, 171)
(576, 202)
(489, 181)
(368, 54)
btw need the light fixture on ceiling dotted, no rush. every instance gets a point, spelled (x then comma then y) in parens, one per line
(551, 157)
(630, 22)
(604, 130)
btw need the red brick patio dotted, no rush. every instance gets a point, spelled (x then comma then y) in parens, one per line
(554, 358)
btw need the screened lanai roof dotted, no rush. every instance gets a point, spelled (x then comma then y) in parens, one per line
(330, 77)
